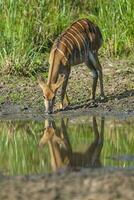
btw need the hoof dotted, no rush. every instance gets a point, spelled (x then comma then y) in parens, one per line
(48, 112)
(65, 108)
(103, 98)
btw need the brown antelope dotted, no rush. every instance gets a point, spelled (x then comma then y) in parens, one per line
(77, 44)
(61, 152)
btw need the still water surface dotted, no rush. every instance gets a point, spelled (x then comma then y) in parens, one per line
(35, 147)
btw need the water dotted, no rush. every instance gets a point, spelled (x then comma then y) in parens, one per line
(35, 147)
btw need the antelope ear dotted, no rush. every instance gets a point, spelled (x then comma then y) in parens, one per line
(59, 82)
(41, 82)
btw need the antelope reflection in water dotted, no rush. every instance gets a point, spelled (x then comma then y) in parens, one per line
(60, 148)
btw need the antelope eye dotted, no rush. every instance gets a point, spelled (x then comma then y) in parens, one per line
(44, 97)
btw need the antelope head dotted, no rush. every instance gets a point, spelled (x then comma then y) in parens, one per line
(49, 92)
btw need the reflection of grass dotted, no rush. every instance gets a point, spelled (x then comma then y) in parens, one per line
(119, 141)
(20, 153)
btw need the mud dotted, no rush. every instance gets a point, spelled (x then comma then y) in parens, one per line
(88, 185)
(21, 98)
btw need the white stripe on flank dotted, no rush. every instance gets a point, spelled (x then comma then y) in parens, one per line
(75, 39)
(78, 32)
(72, 58)
(70, 42)
(77, 44)
(81, 37)
(93, 29)
(65, 46)
(80, 25)
(62, 54)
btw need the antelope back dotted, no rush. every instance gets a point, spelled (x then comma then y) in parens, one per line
(73, 44)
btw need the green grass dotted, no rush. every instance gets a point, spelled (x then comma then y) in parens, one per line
(28, 29)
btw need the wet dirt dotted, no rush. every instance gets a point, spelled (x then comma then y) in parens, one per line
(88, 185)
(21, 98)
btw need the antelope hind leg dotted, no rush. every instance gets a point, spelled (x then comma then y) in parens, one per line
(95, 78)
(100, 76)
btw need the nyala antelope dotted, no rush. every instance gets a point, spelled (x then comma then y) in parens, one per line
(77, 44)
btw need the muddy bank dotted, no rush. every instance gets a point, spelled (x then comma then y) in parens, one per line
(88, 184)
(22, 95)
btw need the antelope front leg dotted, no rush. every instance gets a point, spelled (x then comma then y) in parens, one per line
(64, 97)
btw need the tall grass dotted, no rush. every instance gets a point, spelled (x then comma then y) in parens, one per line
(29, 27)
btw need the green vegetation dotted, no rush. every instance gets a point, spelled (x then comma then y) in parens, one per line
(29, 27)
(21, 154)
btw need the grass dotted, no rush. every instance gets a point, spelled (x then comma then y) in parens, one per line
(28, 29)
